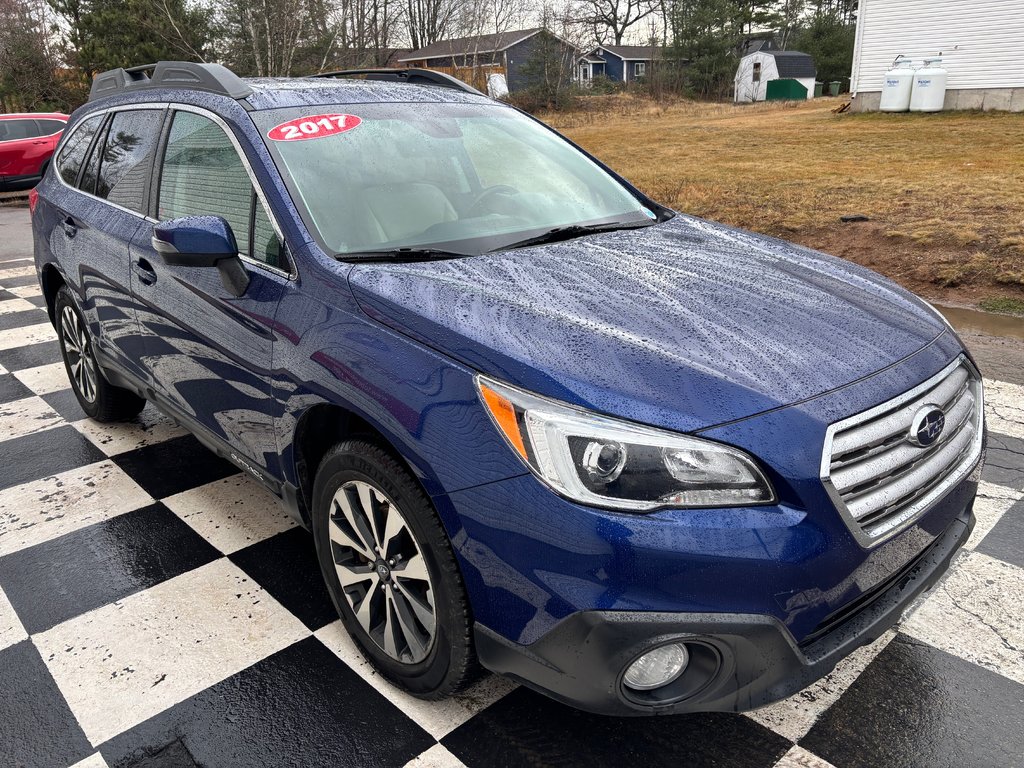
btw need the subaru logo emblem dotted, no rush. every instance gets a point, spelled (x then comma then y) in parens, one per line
(383, 570)
(927, 426)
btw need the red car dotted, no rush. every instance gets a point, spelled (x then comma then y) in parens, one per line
(27, 142)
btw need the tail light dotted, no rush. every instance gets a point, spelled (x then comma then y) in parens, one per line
(33, 198)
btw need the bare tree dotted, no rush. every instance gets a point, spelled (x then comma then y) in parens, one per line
(613, 19)
(31, 76)
(263, 36)
(790, 14)
(428, 21)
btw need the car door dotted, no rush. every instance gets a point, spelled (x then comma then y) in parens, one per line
(210, 353)
(101, 220)
(20, 144)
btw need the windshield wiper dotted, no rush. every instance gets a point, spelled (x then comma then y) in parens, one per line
(403, 254)
(575, 230)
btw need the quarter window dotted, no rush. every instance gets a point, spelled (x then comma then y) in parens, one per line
(127, 155)
(203, 175)
(49, 127)
(87, 182)
(72, 153)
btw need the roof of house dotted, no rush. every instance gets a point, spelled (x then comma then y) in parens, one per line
(765, 42)
(462, 46)
(631, 52)
(793, 64)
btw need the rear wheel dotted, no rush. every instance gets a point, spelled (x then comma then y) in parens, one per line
(100, 399)
(391, 571)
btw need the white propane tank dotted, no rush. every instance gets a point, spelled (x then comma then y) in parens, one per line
(898, 86)
(929, 87)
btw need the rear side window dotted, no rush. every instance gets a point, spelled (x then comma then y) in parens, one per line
(49, 127)
(12, 130)
(72, 152)
(87, 182)
(127, 156)
(203, 175)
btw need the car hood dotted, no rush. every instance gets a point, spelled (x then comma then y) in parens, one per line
(685, 325)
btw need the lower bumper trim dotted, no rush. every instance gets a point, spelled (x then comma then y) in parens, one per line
(580, 662)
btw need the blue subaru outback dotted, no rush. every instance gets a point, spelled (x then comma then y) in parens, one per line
(536, 422)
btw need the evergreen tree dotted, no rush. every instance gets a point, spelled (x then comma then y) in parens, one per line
(829, 37)
(104, 34)
(705, 37)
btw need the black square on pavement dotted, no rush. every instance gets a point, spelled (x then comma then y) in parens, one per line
(301, 706)
(65, 403)
(286, 566)
(97, 565)
(915, 705)
(1006, 539)
(36, 726)
(11, 389)
(174, 466)
(21, 319)
(527, 729)
(20, 281)
(31, 356)
(46, 453)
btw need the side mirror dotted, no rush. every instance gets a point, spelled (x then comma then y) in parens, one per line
(202, 241)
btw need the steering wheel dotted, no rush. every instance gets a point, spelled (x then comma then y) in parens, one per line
(497, 189)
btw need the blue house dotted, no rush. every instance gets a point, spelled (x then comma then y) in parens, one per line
(505, 52)
(622, 63)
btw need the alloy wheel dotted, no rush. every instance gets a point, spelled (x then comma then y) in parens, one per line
(382, 571)
(79, 354)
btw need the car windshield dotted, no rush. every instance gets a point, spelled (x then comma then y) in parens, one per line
(467, 178)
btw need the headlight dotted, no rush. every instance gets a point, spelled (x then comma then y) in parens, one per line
(605, 462)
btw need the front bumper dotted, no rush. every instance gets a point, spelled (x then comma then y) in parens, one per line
(739, 661)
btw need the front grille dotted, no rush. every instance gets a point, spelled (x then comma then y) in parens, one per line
(879, 478)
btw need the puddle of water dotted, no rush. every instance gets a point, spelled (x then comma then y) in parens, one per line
(983, 322)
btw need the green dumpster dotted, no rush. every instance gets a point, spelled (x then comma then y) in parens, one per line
(819, 88)
(834, 87)
(786, 90)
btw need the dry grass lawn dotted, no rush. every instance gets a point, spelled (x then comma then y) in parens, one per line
(945, 193)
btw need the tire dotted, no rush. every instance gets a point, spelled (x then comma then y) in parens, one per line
(379, 599)
(100, 399)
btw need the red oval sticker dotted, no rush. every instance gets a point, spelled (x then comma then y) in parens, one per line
(313, 127)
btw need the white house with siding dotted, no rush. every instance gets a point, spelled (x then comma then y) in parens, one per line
(979, 41)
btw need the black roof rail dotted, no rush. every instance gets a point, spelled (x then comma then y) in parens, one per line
(170, 74)
(411, 76)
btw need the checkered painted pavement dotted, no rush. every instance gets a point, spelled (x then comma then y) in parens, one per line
(157, 608)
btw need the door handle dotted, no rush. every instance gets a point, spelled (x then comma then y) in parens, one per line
(144, 271)
(70, 227)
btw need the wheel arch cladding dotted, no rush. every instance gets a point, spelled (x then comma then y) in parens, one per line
(52, 281)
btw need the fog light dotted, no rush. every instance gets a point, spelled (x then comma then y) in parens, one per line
(657, 668)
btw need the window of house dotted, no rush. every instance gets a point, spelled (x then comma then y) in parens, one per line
(639, 68)
(127, 156)
(72, 153)
(757, 71)
(203, 175)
